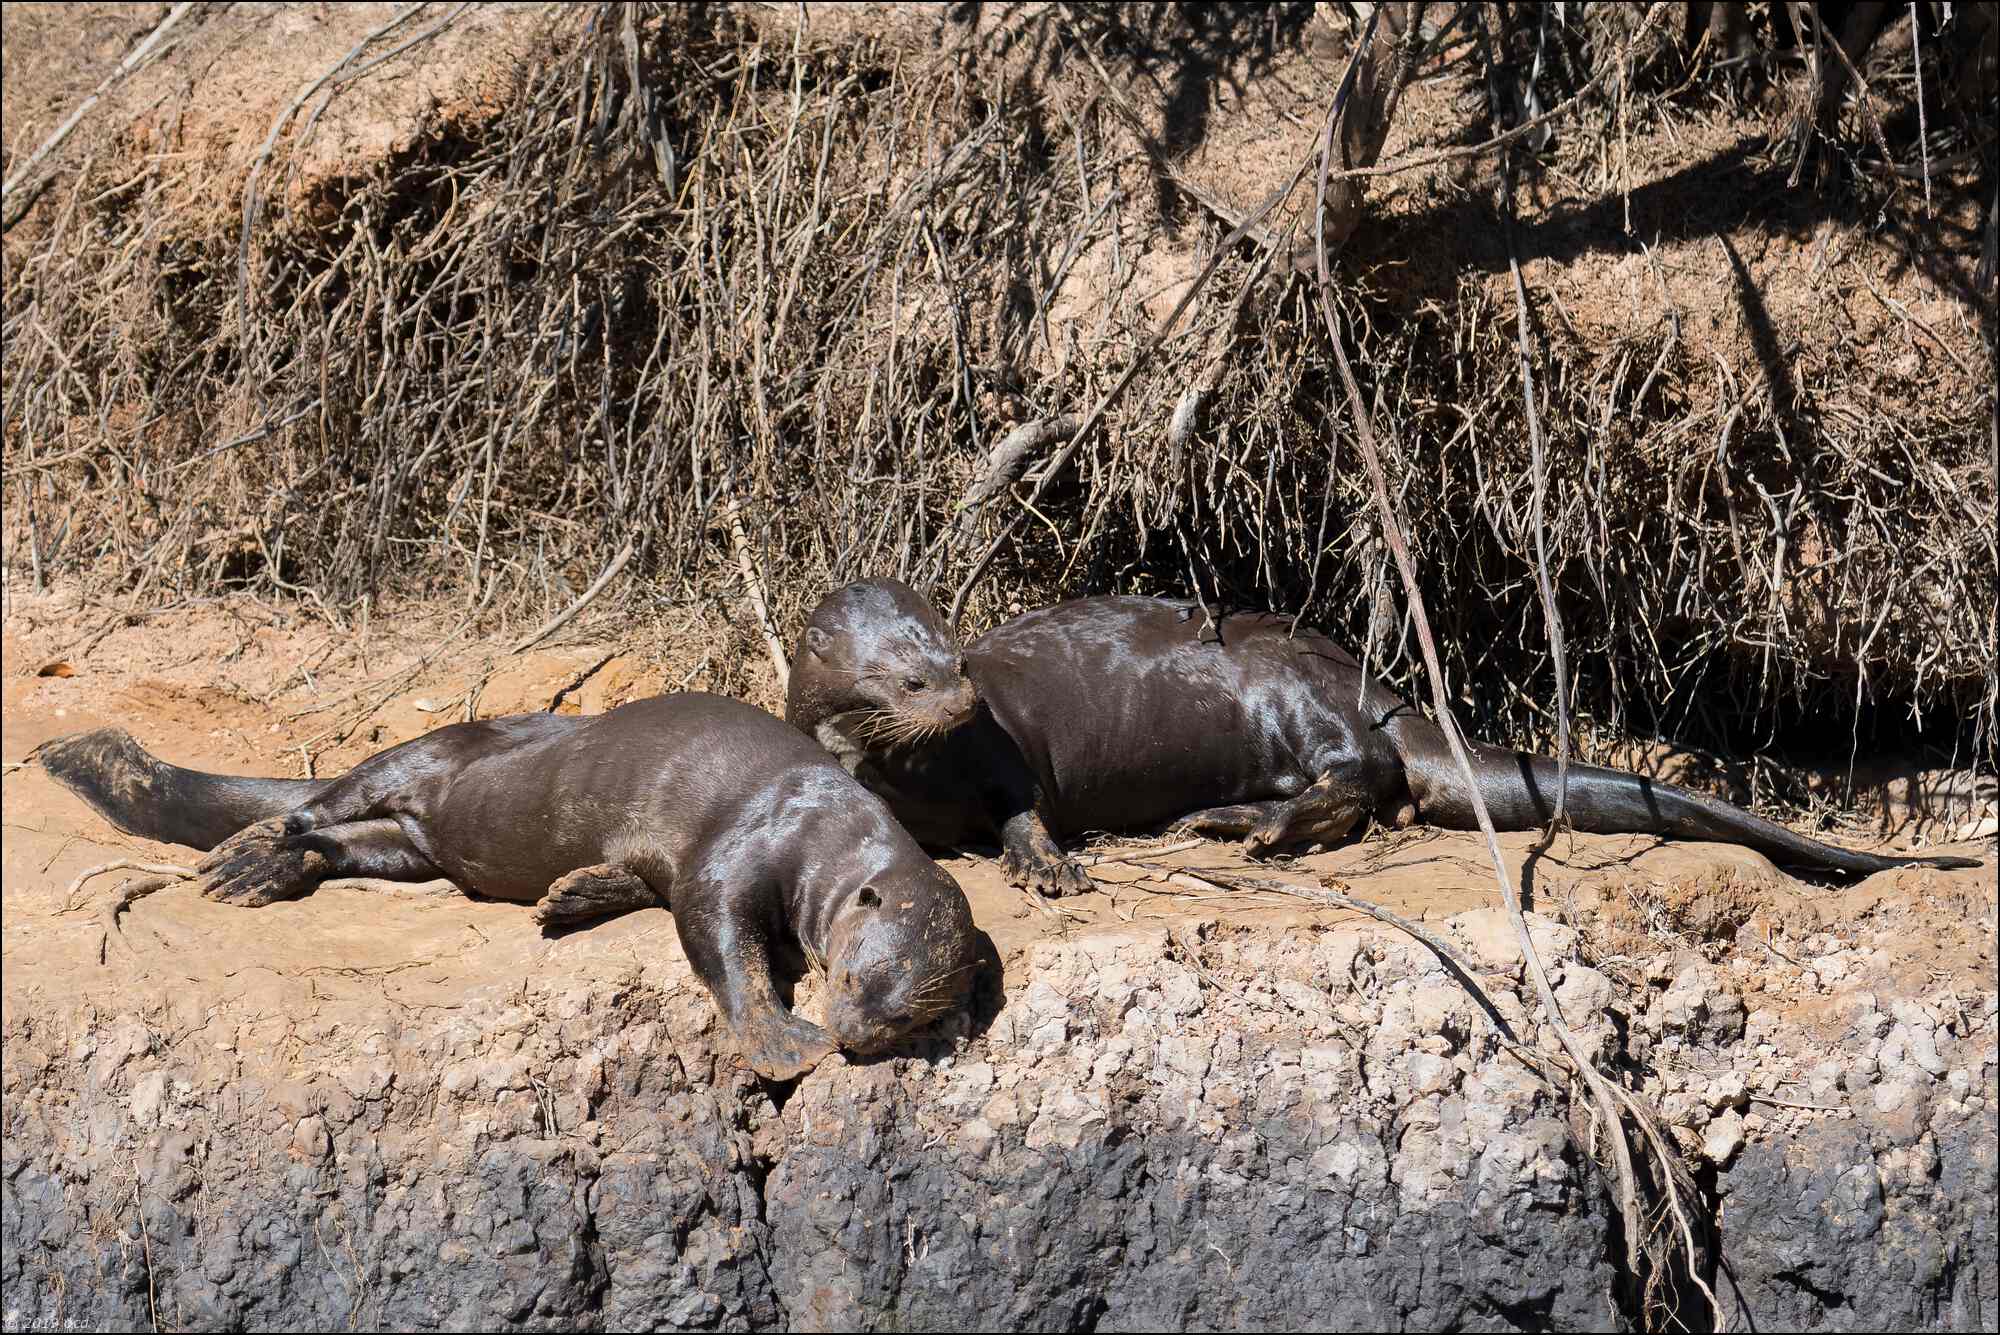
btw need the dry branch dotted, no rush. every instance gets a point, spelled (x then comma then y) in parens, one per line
(564, 617)
(138, 57)
(753, 593)
(1393, 529)
(1551, 617)
(675, 265)
(1005, 461)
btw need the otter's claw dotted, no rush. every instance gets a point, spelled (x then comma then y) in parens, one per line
(259, 865)
(784, 1049)
(1051, 875)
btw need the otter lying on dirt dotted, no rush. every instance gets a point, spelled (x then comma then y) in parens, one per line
(752, 835)
(1116, 713)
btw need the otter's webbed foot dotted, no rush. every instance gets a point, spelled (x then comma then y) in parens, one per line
(594, 892)
(1323, 813)
(1232, 822)
(1030, 858)
(782, 1046)
(261, 864)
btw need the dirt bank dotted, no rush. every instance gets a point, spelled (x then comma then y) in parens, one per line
(373, 301)
(1172, 1110)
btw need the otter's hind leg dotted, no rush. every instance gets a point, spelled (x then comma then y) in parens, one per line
(264, 863)
(1323, 813)
(1232, 822)
(595, 892)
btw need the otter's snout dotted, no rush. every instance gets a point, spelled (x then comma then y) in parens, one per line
(901, 952)
(963, 701)
(863, 1020)
(938, 701)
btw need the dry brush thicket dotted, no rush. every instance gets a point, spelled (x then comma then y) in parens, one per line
(689, 267)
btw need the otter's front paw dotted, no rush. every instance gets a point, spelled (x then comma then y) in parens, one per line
(593, 892)
(261, 865)
(1050, 874)
(784, 1049)
(1269, 836)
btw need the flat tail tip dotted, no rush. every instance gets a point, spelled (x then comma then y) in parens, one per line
(63, 755)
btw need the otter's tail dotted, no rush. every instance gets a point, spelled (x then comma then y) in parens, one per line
(144, 795)
(1520, 793)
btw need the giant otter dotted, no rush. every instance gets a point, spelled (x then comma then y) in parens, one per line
(1117, 713)
(751, 834)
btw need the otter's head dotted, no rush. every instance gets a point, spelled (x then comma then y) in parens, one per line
(877, 651)
(900, 952)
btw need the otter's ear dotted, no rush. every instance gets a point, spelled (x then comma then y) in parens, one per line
(817, 641)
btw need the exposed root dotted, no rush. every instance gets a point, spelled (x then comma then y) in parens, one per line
(1673, 1238)
(851, 362)
(121, 899)
(171, 871)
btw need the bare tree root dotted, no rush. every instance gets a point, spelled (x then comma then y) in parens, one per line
(169, 870)
(121, 899)
(1393, 529)
(139, 55)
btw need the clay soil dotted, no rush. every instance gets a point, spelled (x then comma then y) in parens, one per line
(241, 687)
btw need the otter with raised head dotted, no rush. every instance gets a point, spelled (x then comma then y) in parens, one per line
(1119, 713)
(754, 837)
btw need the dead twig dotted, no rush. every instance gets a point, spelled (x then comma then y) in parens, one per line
(1137, 854)
(568, 614)
(1005, 461)
(753, 591)
(140, 54)
(1539, 468)
(1392, 529)
(167, 869)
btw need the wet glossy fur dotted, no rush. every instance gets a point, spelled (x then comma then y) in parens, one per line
(752, 835)
(1118, 713)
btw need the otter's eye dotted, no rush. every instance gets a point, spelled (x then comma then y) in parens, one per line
(868, 899)
(913, 684)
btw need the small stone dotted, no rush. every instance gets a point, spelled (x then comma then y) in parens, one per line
(1050, 1035)
(1488, 936)
(148, 1092)
(1891, 1095)
(1429, 1074)
(1723, 1139)
(1684, 1110)
(1921, 1048)
(1727, 1091)
(311, 1141)
(1044, 1001)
